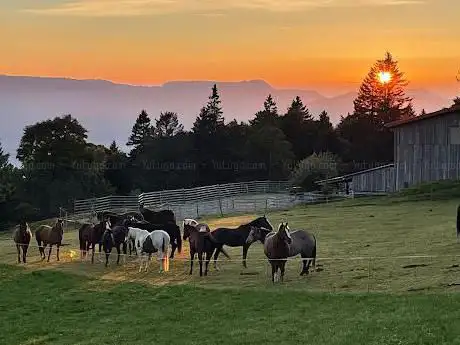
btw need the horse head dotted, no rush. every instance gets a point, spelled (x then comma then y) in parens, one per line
(283, 231)
(262, 222)
(59, 226)
(188, 229)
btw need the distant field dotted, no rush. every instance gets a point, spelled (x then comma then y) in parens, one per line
(410, 300)
(348, 233)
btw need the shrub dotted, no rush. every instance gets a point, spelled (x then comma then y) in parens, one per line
(313, 168)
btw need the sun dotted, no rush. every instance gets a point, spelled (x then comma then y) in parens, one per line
(384, 77)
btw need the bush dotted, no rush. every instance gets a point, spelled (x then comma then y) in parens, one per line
(313, 168)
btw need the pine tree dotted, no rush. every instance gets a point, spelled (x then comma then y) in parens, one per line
(168, 125)
(113, 148)
(267, 116)
(211, 117)
(142, 130)
(381, 95)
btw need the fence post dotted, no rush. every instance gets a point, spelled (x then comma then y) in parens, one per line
(266, 205)
(197, 212)
(220, 207)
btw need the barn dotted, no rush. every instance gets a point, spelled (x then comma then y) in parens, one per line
(427, 147)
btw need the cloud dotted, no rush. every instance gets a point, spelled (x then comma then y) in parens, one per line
(109, 8)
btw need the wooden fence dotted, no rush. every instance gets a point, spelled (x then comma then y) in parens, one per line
(169, 198)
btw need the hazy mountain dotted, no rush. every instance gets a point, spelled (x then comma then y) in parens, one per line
(108, 110)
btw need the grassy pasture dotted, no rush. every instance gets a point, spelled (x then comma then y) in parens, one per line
(363, 245)
(410, 300)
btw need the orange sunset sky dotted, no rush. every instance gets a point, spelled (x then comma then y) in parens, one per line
(288, 43)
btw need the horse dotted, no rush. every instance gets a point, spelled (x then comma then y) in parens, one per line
(276, 249)
(89, 235)
(137, 237)
(114, 237)
(236, 237)
(155, 242)
(172, 229)
(21, 237)
(50, 235)
(303, 243)
(201, 241)
(159, 217)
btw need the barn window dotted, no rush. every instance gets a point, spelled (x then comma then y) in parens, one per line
(454, 135)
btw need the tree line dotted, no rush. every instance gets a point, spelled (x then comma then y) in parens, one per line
(59, 164)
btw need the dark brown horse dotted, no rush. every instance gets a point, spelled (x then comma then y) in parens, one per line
(50, 235)
(303, 243)
(21, 237)
(201, 241)
(276, 249)
(89, 235)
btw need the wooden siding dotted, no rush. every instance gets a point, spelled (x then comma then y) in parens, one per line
(425, 151)
(373, 181)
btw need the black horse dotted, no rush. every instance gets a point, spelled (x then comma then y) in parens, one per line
(160, 217)
(172, 229)
(236, 237)
(114, 237)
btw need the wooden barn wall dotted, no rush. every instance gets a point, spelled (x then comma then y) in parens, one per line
(380, 180)
(424, 151)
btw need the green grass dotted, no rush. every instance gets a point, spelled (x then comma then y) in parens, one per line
(46, 307)
(365, 293)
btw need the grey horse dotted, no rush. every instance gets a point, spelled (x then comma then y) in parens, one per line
(303, 243)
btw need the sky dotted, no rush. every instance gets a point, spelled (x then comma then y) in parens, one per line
(288, 43)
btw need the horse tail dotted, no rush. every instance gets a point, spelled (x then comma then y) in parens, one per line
(179, 239)
(163, 246)
(458, 221)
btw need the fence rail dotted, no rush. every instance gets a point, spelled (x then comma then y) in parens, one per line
(179, 196)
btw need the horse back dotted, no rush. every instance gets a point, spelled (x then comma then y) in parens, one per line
(303, 243)
(231, 237)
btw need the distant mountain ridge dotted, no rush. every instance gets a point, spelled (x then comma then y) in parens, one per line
(96, 103)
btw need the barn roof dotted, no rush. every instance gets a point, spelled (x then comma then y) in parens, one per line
(343, 178)
(453, 109)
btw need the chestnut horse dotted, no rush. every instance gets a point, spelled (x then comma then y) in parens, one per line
(21, 237)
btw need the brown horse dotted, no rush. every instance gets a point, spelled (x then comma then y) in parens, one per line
(201, 241)
(89, 235)
(50, 236)
(276, 249)
(21, 237)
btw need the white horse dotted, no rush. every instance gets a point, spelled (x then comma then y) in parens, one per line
(157, 241)
(138, 236)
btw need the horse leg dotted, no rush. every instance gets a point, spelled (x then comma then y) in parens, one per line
(49, 253)
(282, 265)
(216, 255)
(93, 245)
(208, 258)
(192, 257)
(200, 259)
(19, 253)
(245, 255)
(274, 269)
(107, 253)
(117, 247)
(57, 251)
(25, 247)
